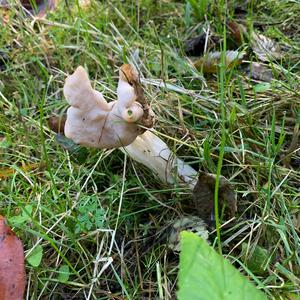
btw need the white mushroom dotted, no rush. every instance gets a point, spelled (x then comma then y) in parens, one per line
(93, 122)
(149, 150)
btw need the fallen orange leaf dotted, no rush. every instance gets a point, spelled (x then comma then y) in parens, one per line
(6, 172)
(12, 270)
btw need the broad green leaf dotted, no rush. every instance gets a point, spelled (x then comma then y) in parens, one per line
(187, 16)
(35, 256)
(257, 261)
(262, 87)
(78, 153)
(23, 217)
(63, 273)
(204, 274)
(18, 220)
(199, 8)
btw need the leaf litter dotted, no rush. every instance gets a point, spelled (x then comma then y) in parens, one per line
(265, 48)
(12, 270)
(203, 196)
(38, 8)
(256, 260)
(211, 61)
(259, 71)
(188, 223)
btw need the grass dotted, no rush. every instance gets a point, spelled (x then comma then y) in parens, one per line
(105, 221)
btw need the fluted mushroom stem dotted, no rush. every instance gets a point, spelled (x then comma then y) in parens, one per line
(149, 150)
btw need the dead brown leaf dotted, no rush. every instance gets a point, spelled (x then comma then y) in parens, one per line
(265, 48)
(236, 32)
(7, 172)
(188, 223)
(12, 270)
(35, 7)
(133, 79)
(57, 124)
(203, 196)
(260, 72)
(210, 62)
